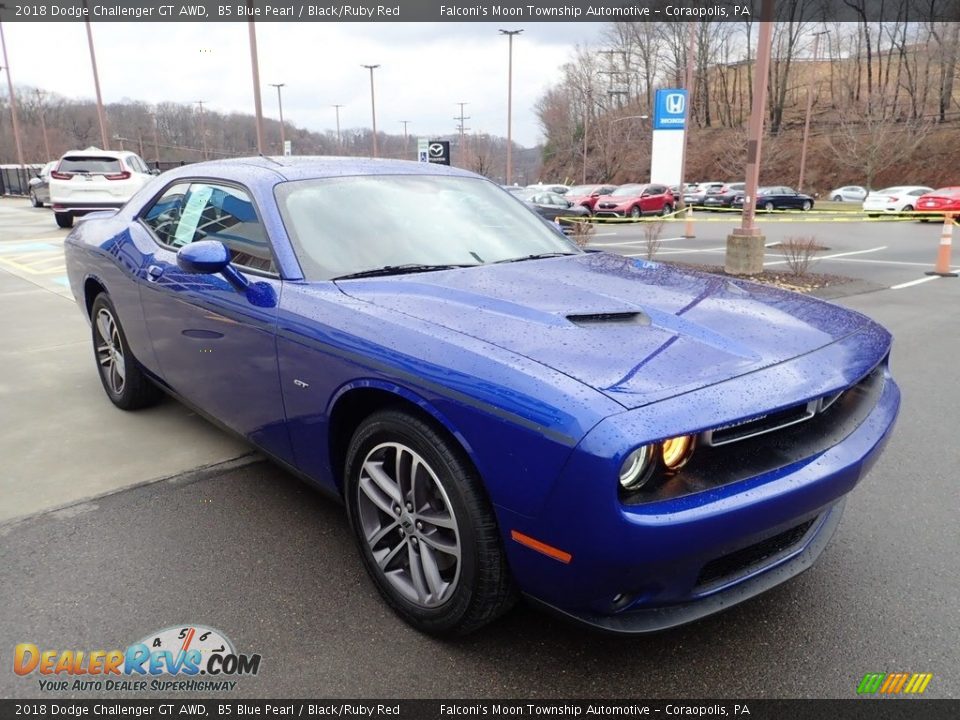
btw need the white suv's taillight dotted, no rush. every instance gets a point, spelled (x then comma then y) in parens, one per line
(59, 175)
(125, 175)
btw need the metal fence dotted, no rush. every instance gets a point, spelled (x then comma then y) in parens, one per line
(14, 179)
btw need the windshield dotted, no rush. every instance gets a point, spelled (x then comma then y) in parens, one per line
(581, 189)
(89, 164)
(628, 190)
(345, 225)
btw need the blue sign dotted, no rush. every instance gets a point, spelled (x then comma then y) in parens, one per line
(670, 109)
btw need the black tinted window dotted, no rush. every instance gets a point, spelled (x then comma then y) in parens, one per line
(89, 164)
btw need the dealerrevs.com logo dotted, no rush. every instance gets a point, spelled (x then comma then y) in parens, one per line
(180, 658)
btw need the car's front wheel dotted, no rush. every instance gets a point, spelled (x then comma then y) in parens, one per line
(806, 205)
(425, 528)
(837, 198)
(64, 219)
(123, 379)
(635, 212)
(768, 206)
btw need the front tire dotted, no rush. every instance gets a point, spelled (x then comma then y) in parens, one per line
(426, 531)
(635, 212)
(122, 377)
(806, 205)
(837, 198)
(768, 206)
(64, 219)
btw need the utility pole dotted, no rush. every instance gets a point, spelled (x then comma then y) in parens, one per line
(373, 106)
(283, 137)
(688, 83)
(255, 68)
(405, 123)
(203, 129)
(156, 139)
(806, 120)
(510, 34)
(339, 141)
(463, 129)
(43, 125)
(101, 115)
(13, 100)
(745, 246)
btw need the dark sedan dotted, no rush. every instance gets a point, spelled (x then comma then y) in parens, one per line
(551, 206)
(778, 197)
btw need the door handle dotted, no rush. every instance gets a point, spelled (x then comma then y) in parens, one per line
(154, 272)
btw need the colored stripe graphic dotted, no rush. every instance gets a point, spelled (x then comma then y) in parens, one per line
(894, 683)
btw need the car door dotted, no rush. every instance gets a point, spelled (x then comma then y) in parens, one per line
(215, 344)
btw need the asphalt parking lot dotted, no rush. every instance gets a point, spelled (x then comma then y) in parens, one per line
(114, 525)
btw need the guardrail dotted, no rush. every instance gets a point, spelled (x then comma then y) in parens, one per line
(15, 179)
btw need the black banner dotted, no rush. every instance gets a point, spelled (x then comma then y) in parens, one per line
(455, 11)
(861, 709)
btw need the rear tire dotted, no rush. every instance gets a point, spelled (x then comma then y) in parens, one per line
(425, 528)
(768, 206)
(34, 200)
(64, 219)
(122, 377)
(667, 209)
(837, 198)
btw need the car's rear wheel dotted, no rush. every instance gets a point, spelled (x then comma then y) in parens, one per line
(425, 528)
(122, 377)
(34, 200)
(64, 219)
(768, 206)
(667, 209)
(907, 208)
(806, 205)
(837, 198)
(635, 212)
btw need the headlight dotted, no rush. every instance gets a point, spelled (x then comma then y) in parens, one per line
(637, 468)
(676, 452)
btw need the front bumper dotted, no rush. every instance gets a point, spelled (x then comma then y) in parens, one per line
(648, 567)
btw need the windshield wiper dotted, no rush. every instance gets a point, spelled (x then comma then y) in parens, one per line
(400, 270)
(536, 256)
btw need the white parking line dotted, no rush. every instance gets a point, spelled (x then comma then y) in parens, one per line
(914, 282)
(835, 255)
(632, 242)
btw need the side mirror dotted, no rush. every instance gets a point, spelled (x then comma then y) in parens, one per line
(595, 195)
(155, 171)
(205, 257)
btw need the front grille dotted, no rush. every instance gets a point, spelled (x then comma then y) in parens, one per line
(749, 457)
(738, 562)
(759, 426)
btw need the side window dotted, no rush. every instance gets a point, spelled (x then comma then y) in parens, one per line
(162, 217)
(224, 213)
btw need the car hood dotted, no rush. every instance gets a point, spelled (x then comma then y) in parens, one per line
(634, 330)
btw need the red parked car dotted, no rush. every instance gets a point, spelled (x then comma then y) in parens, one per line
(943, 200)
(636, 200)
(587, 195)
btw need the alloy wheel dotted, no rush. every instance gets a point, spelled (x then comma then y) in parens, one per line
(408, 523)
(110, 351)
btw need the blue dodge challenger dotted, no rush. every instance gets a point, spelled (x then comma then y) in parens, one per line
(629, 444)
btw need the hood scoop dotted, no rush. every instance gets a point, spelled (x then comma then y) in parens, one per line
(611, 318)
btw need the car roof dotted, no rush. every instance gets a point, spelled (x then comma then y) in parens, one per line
(92, 150)
(306, 167)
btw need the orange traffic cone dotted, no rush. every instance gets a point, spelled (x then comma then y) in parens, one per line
(942, 268)
(688, 223)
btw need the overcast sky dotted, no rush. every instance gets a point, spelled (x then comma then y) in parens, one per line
(426, 68)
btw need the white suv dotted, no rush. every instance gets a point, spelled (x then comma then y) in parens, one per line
(94, 179)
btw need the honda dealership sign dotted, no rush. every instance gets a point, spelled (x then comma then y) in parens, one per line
(670, 113)
(670, 110)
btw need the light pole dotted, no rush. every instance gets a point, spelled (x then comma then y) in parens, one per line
(806, 120)
(373, 106)
(43, 124)
(283, 137)
(101, 115)
(156, 138)
(13, 100)
(510, 34)
(745, 248)
(255, 69)
(339, 141)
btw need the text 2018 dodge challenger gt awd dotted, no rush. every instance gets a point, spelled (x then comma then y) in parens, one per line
(632, 445)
